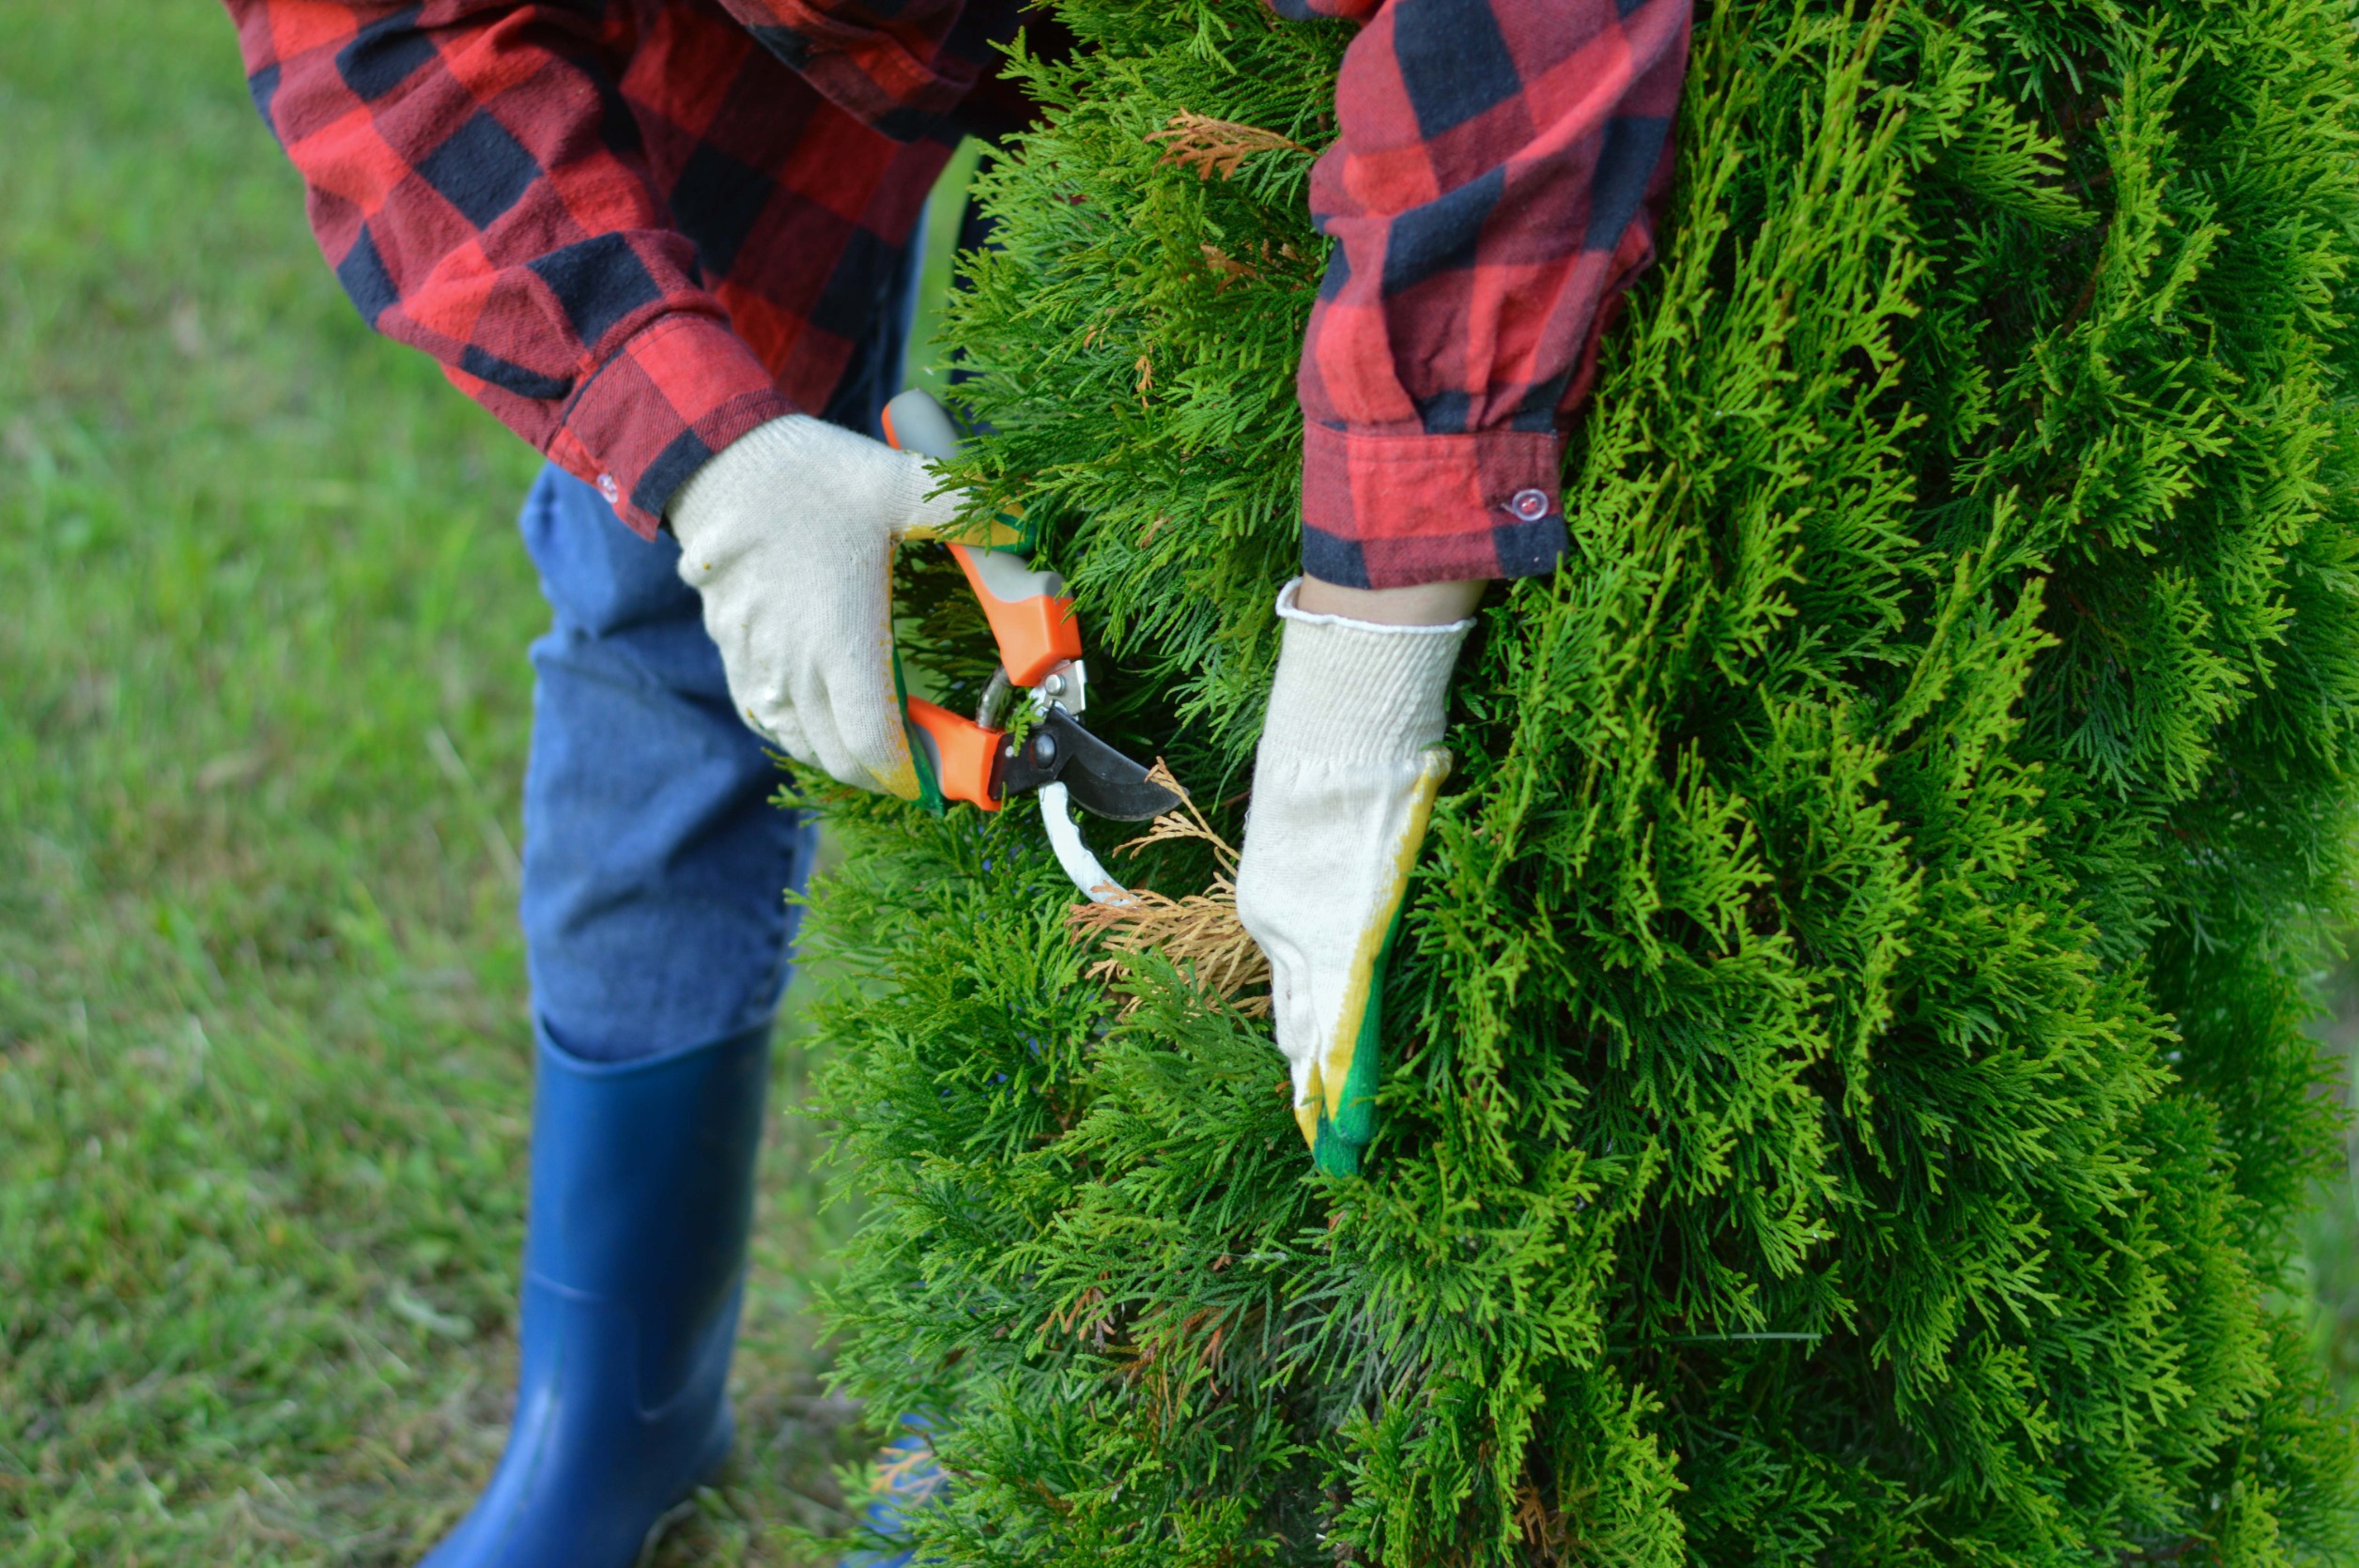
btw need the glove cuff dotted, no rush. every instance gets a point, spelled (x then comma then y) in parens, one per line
(1354, 692)
(734, 480)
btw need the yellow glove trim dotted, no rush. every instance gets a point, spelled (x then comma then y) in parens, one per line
(901, 783)
(1329, 1073)
(1306, 1113)
(1002, 534)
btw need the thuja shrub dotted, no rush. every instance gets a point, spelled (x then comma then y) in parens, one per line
(1845, 1089)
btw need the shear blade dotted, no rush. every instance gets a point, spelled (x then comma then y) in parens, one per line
(1101, 779)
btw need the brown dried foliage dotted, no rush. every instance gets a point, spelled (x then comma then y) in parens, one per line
(1228, 269)
(1226, 266)
(1200, 932)
(1212, 146)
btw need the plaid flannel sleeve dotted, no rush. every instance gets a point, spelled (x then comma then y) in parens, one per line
(890, 64)
(479, 187)
(1492, 191)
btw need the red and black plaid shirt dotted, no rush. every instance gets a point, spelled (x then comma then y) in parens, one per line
(634, 229)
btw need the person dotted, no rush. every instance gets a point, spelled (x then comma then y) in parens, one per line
(668, 243)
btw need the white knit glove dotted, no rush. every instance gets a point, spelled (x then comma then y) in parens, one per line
(788, 533)
(1343, 789)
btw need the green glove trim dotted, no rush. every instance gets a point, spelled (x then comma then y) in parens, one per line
(920, 749)
(1336, 1149)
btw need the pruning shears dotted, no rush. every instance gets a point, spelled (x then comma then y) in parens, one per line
(1032, 623)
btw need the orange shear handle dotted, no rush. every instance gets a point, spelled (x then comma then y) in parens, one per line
(958, 751)
(1030, 613)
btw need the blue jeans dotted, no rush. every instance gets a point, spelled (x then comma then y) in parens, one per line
(655, 866)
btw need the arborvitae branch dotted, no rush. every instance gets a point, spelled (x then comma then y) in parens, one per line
(1846, 1080)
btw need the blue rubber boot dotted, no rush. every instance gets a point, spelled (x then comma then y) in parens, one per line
(634, 1262)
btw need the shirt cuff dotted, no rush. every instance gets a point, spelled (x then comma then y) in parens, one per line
(1396, 510)
(672, 395)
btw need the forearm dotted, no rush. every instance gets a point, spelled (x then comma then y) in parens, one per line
(1492, 191)
(480, 190)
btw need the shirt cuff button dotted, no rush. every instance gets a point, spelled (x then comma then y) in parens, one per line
(1530, 505)
(613, 492)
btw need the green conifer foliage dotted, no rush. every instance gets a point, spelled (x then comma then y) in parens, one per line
(1847, 1088)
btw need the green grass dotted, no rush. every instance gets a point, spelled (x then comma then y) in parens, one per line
(264, 1064)
(926, 368)
(2330, 1233)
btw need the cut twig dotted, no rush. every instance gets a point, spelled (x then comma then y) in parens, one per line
(1200, 932)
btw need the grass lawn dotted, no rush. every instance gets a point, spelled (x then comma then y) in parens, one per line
(264, 1064)
(2330, 1234)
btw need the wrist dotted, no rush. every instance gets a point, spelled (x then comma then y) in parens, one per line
(733, 478)
(1428, 603)
(656, 408)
